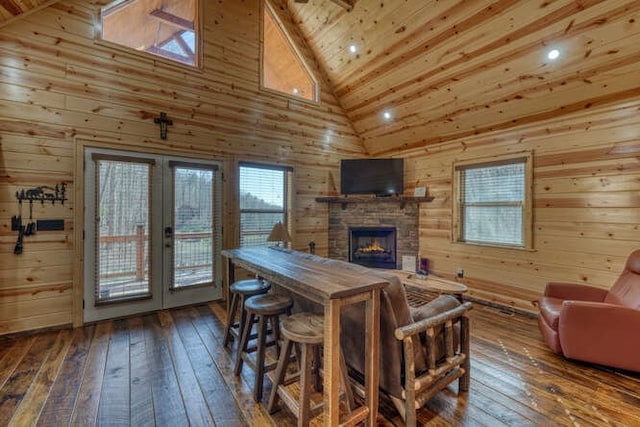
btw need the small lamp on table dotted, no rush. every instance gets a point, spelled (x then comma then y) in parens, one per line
(279, 234)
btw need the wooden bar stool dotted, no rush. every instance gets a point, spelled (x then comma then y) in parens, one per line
(265, 308)
(240, 291)
(306, 330)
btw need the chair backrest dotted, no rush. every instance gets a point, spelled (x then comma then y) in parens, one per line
(394, 312)
(626, 290)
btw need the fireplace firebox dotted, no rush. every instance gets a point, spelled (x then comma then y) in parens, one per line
(373, 246)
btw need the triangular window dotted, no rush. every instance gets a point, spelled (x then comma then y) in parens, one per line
(283, 70)
(166, 28)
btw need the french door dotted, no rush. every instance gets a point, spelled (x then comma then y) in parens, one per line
(152, 232)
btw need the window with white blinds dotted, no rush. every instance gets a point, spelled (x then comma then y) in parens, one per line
(493, 203)
(264, 194)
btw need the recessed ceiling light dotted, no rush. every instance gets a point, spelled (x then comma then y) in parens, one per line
(386, 114)
(295, 91)
(553, 54)
(353, 48)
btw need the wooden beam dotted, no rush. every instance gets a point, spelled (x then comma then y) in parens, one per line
(173, 20)
(12, 7)
(347, 4)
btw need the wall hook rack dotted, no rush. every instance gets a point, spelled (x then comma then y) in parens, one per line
(43, 194)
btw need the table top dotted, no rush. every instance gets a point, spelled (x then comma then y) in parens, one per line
(316, 278)
(430, 282)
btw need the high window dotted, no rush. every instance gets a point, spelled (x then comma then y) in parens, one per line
(493, 202)
(283, 70)
(264, 200)
(166, 28)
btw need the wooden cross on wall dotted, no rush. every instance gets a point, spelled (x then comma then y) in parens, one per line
(163, 122)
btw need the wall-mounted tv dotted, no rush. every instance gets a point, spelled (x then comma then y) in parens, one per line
(382, 177)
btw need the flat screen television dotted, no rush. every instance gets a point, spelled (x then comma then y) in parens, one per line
(382, 177)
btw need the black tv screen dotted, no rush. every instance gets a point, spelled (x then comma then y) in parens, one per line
(372, 176)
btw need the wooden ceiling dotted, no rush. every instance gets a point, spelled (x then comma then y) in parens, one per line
(450, 69)
(11, 9)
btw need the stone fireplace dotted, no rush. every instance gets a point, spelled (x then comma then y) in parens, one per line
(372, 213)
(373, 246)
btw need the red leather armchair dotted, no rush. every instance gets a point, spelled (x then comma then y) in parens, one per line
(595, 325)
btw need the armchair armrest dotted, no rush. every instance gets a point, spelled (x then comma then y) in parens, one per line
(600, 333)
(423, 325)
(575, 291)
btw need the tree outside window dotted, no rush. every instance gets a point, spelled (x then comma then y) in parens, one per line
(264, 193)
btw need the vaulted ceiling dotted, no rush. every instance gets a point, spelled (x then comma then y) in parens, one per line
(454, 68)
(450, 69)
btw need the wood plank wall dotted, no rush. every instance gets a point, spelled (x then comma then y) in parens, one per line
(586, 204)
(469, 79)
(60, 88)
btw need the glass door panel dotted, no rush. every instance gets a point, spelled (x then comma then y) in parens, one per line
(122, 224)
(192, 235)
(122, 261)
(193, 238)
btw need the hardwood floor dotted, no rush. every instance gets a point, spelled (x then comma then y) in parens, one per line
(169, 369)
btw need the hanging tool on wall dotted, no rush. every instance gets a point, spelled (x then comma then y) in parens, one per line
(18, 248)
(40, 194)
(30, 228)
(16, 224)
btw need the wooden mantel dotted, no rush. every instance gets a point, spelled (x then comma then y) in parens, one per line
(402, 200)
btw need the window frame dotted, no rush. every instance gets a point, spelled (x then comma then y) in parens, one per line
(198, 30)
(266, 6)
(527, 203)
(287, 187)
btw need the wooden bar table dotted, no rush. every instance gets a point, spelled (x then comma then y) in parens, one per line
(332, 284)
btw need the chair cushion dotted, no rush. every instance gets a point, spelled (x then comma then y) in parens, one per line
(550, 308)
(435, 307)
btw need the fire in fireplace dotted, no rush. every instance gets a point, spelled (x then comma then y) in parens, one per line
(373, 246)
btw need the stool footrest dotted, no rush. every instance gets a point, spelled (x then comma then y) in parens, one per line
(358, 415)
(251, 361)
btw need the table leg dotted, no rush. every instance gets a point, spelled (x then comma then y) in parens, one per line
(332, 363)
(231, 277)
(372, 356)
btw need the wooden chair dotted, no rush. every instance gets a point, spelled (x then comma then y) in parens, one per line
(447, 357)
(422, 350)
